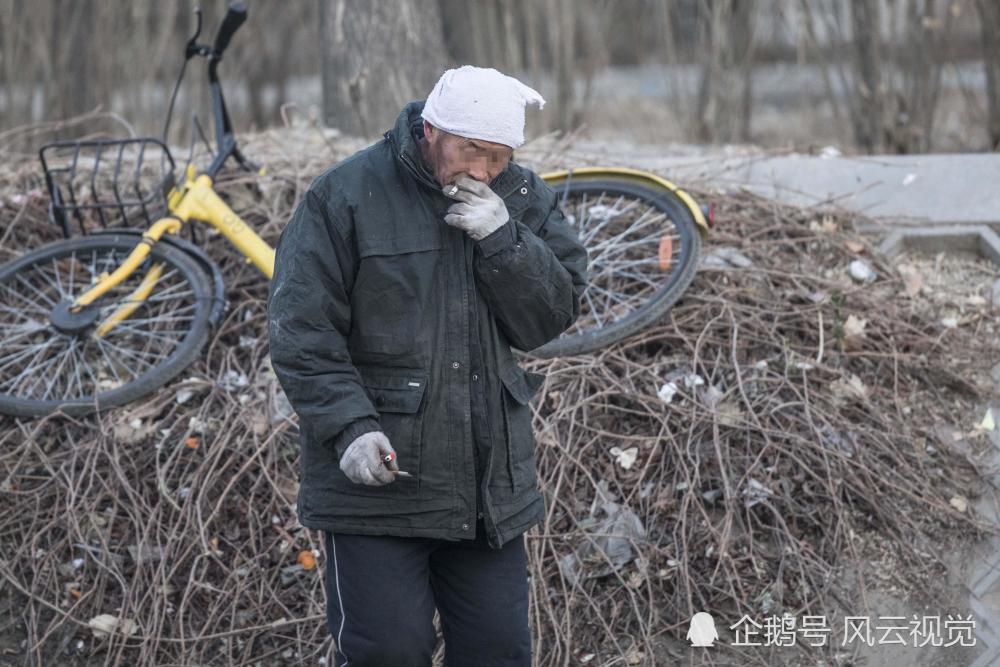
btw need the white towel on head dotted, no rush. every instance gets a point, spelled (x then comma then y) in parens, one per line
(480, 103)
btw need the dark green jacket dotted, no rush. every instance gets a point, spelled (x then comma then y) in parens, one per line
(369, 322)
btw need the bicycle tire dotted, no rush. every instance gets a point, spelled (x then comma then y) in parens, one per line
(187, 350)
(665, 296)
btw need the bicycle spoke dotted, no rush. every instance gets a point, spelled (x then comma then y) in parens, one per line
(29, 371)
(35, 307)
(112, 365)
(41, 348)
(122, 326)
(35, 290)
(61, 357)
(132, 354)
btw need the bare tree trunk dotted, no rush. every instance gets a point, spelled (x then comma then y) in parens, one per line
(809, 24)
(73, 92)
(725, 98)
(377, 56)
(869, 107)
(512, 42)
(914, 119)
(989, 13)
(562, 33)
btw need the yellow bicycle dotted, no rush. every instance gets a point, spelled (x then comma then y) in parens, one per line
(109, 315)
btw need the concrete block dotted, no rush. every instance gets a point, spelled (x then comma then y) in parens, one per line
(976, 239)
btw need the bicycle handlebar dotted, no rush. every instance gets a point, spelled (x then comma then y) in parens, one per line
(235, 16)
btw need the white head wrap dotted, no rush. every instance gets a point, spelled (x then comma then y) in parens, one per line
(480, 103)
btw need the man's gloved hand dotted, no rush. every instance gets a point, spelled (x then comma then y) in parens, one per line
(479, 210)
(362, 460)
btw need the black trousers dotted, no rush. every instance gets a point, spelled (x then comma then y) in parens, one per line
(381, 593)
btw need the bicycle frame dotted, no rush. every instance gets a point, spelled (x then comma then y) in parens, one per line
(194, 200)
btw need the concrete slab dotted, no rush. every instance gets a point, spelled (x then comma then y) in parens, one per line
(894, 189)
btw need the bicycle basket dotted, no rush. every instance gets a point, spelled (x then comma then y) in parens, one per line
(107, 183)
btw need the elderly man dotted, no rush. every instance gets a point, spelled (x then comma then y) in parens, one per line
(401, 282)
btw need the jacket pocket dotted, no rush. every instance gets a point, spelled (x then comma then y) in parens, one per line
(520, 386)
(397, 395)
(391, 313)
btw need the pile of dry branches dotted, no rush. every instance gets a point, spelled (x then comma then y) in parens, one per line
(728, 459)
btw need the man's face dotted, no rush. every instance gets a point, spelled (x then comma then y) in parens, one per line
(449, 155)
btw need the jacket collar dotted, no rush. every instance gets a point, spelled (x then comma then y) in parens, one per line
(404, 136)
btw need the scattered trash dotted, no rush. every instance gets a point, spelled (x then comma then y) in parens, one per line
(603, 212)
(912, 280)
(307, 558)
(291, 573)
(191, 386)
(854, 333)
(959, 502)
(711, 495)
(233, 380)
(280, 408)
(625, 458)
(755, 492)
(692, 380)
(133, 431)
(667, 392)
(611, 541)
(862, 272)
(711, 397)
(817, 297)
(725, 258)
(949, 322)
(988, 424)
(105, 624)
(850, 389)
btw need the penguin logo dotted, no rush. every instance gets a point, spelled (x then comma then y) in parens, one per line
(702, 631)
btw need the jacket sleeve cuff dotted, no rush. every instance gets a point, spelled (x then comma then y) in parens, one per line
(500, 238)
(353, 430)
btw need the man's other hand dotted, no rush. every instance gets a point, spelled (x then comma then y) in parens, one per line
(479, 211)
(362, 460)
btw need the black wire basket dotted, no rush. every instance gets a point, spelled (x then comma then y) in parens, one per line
(107, 183)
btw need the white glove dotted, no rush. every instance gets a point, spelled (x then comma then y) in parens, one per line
(362, 460)
(479, 210)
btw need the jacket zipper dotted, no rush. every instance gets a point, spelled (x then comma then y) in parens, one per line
(489, 468)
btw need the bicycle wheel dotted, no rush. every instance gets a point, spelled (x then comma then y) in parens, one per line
(643, 244)
(52, 360)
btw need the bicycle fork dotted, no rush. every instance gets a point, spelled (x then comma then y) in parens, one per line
(194, 200)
